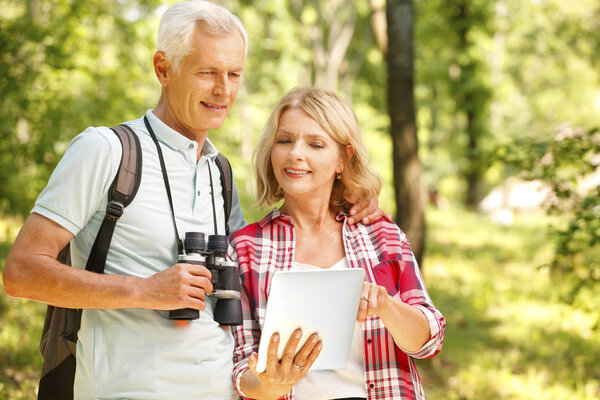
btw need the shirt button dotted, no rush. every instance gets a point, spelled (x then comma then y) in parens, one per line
(198, 193)
(369, 341)
(191, 146)
(371, 386)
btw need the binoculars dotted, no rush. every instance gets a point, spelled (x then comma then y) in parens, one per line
(224, 277)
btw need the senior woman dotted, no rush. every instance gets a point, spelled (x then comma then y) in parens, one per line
(312, 156)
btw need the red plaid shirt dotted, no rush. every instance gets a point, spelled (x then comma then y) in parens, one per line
(383, 251)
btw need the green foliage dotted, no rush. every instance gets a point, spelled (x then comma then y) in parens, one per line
(538, 60)
(66, 65)
(509, 334)
(565, 163)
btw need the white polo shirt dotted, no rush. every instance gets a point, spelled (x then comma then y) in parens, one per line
(137, 353)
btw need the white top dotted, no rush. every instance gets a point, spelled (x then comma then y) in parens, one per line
(329, 383)
(137, 353)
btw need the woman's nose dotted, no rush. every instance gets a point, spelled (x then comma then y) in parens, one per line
(296, 151)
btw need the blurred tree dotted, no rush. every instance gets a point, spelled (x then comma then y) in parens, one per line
(469, 83)
(410, 214)
(65, 65)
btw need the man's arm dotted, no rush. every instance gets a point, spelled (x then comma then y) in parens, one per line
(31, 271)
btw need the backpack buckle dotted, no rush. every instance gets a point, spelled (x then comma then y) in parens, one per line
(114, 210)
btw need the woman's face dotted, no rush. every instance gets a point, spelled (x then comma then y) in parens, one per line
(305, 158)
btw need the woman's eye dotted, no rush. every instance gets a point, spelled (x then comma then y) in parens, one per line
(318, 145)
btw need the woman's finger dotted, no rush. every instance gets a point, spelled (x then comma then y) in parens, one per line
(373, 301)
(363, 304)
(290, 349)
(316, 348)
(300, 361)
(272, 359)
(252, 363)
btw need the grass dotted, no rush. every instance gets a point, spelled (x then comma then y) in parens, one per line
(509, 335)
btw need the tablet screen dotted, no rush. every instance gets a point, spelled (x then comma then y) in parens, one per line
(323, 301)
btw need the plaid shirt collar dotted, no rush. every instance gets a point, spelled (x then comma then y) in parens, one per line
(277, 217)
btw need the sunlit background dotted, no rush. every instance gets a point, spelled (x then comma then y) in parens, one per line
(507, 108)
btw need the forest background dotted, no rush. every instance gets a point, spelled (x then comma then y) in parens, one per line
(499, 99)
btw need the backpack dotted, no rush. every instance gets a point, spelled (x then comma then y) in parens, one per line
(59, 334)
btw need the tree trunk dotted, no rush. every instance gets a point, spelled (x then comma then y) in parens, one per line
(410, 215)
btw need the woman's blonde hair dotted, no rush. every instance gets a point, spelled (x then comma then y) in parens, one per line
(336, 118)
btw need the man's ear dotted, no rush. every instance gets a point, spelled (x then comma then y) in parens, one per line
(162, 68)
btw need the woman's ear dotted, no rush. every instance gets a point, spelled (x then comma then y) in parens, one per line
(348, 154)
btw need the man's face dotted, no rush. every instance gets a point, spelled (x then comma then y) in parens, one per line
(200, 95)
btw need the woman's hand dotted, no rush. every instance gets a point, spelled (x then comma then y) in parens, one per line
(374, 301)
(407, 324)
(280, 376)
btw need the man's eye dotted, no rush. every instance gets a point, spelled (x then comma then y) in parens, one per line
(235, 75)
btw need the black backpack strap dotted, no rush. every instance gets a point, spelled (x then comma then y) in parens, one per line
(226, 186)
(121, 192)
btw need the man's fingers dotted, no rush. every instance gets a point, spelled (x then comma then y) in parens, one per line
(195, 303)
(197, 270)
(203, 283)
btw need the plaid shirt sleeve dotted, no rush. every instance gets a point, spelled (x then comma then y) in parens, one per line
(247, 335)
(412, 291)
(384, 252)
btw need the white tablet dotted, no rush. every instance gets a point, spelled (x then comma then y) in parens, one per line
(325, 302)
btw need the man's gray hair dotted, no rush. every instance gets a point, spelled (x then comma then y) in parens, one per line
(180, 20)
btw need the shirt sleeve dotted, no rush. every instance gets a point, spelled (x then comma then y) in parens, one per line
(413, 292)
(80, 182)
(246, 336)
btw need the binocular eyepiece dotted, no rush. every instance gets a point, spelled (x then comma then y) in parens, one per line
(224, 277)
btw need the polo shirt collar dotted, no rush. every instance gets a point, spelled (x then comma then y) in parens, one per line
(176, 140)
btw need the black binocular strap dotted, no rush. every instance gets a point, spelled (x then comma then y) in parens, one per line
(212, 197)
(226, 186)
(121, 192)
(163, 169)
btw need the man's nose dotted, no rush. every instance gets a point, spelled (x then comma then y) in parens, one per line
(221, 85)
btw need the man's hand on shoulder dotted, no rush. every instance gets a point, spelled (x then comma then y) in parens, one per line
(367, 211)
